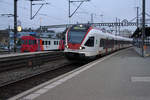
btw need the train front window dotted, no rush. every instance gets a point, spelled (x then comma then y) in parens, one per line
(76, 36)
(77, 33)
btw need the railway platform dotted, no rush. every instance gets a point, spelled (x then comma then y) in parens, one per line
(2, 56)
(123, 75)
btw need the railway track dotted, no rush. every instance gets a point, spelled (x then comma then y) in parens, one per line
(24, 73)
(36, 77)
(15, 87)
(13, 62)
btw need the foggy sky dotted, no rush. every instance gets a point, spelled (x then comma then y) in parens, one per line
(57, 12)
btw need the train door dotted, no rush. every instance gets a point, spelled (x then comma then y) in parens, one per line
(39, 45)
(97, 43)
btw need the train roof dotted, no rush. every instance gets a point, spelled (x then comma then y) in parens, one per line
(113, 36)
(86, 26)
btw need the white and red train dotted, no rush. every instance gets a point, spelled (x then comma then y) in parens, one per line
(33, 44)
(85, 41)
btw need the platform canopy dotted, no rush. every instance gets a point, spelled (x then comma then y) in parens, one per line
(138, 32)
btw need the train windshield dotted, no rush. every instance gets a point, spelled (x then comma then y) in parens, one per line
(77, 34)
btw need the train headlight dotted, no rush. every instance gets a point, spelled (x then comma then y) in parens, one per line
(67, 46)
(81, 48)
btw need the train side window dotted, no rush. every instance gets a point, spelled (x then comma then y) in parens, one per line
(29, 42)
(33, 41)
(104, 43)
(39, 42)
(101, 42)
(55, 42)
(26, 41)
(21, 41)
(90, 42)
(49, 42)
(42, 42)
(46, 42)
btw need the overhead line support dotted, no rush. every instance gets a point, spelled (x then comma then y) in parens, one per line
(143, 26)
(15, 25)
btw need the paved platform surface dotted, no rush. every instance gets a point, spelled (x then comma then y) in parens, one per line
(124, 76)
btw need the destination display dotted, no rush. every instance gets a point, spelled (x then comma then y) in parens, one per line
(80, 27)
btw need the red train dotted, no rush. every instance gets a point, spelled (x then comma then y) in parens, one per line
(33, 44)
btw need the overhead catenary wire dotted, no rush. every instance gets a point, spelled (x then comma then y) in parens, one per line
(27, 9)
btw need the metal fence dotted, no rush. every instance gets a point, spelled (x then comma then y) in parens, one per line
(137, 42)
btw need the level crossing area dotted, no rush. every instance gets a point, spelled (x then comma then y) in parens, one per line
(123, 75)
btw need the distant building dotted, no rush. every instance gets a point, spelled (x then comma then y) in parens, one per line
(125, 33)
(47, 34)
(7, 36)
(4, 40)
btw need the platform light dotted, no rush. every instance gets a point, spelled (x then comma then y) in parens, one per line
(81, 25)
(19, 28)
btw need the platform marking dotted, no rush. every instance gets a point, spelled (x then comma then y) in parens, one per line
(140, 79)
(68, 76)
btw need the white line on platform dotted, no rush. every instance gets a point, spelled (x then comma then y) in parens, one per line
(37, 91)
(140, 79)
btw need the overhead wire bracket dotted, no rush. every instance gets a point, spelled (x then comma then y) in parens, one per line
(33, 4)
